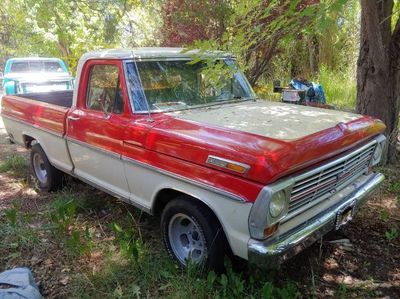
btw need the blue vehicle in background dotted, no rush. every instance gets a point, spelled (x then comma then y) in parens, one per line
(36, 74)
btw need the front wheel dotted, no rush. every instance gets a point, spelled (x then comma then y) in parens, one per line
(192, 233)
(48, 178)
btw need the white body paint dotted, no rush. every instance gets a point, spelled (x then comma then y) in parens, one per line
(133, 182)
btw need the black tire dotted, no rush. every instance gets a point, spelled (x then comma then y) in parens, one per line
(216, 246)
(53, 179)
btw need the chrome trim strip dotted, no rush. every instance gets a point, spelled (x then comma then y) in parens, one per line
(184, 179)
(32, 125)
(272, 252)
(93, 147)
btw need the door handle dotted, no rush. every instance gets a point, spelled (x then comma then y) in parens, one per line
(73, 117)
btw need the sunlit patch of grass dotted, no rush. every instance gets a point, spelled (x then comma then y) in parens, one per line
(109, 258)
(265, 92)
(340, 88)
(157, 276)
(15, 234)
(15, 165)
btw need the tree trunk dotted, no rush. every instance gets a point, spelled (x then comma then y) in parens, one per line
(378, 72)
(312, 42)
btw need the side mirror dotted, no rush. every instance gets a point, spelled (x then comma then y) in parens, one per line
(10, 88)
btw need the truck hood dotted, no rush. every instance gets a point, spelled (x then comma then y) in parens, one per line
(274, 139)
(38, 77)
(269, 119)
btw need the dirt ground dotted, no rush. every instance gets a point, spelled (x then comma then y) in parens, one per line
(361, 261)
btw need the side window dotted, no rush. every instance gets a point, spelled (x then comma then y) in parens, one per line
(104, 92)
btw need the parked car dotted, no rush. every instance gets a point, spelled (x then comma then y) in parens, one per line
(228, 173)
(34, 74)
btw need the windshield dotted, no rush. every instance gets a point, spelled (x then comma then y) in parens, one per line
(35, 66)
(176, 85)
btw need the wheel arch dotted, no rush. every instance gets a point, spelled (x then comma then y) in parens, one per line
(29, 140)
(165, 195)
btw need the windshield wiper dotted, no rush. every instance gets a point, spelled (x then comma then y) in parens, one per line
(243, 98)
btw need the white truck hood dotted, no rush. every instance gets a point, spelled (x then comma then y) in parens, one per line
(269, 119)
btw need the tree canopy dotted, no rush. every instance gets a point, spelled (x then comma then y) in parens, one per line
(272, 39)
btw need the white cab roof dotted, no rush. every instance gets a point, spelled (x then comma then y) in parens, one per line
(145, 53)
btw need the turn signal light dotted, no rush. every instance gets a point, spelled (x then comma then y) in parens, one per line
(269, 231)
(235, 167)
(228, 164)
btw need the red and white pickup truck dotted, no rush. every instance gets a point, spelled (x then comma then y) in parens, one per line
(188, 140)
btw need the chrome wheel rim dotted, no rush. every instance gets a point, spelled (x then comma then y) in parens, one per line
(40, 169)
(186, 239)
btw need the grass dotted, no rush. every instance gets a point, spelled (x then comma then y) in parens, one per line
(340, 88)
(112, 251)
(15, 164)
(15, 234)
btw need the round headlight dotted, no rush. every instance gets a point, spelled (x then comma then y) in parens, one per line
(378, 151)
(277, 204)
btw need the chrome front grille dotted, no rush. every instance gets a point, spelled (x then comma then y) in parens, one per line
(324, 181)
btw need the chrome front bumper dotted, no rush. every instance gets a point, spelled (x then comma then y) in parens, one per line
(271, 253)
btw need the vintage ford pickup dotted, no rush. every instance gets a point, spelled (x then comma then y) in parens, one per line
(188, 140)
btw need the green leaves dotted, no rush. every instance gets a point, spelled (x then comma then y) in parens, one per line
(62, 28)
(392, 234)
(11, 215)
(129, 245)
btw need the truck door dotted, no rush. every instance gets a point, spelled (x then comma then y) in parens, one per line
(95, 128)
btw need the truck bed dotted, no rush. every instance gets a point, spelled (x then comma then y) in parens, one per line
(40, 117)
(46, 111)
(60, 98)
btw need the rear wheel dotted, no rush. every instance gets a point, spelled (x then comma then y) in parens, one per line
(48, 178)
(192, 233)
